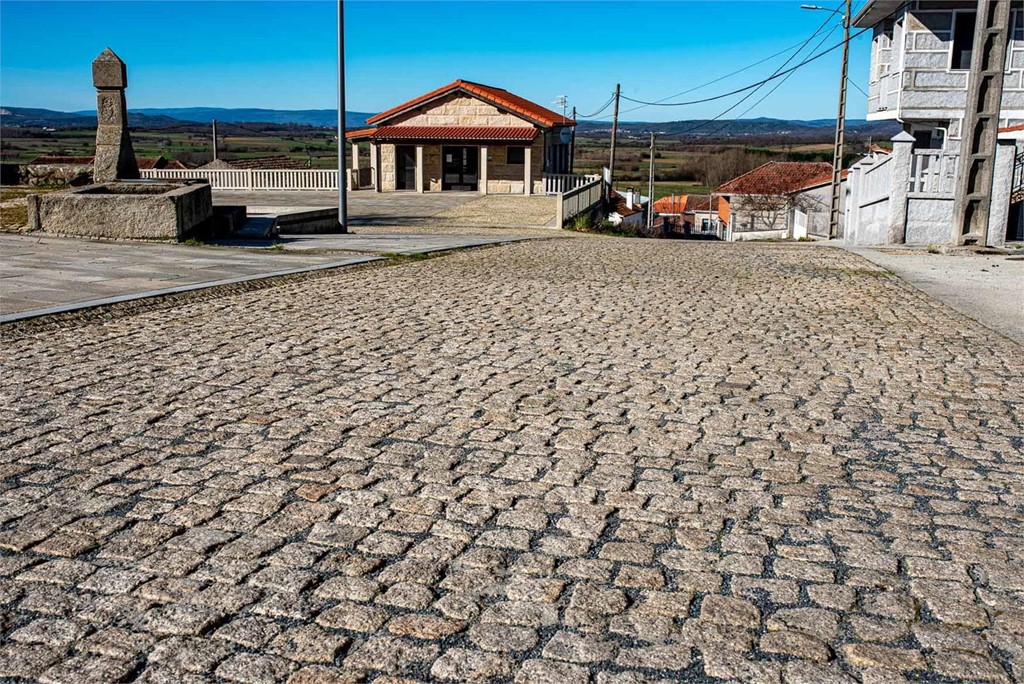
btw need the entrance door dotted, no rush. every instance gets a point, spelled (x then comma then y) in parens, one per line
(405, 167)
(459, 168)
(799, 224)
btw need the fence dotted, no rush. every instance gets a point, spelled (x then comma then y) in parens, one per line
(578, 200)
(868, 213)
(253, 179)
(561, 183)
(932, 172)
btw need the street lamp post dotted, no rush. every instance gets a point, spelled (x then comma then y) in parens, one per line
(837, 152)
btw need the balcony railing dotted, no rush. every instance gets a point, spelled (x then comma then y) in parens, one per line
(933, 172)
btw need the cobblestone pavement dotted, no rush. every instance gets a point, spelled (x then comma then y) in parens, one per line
(618, 460)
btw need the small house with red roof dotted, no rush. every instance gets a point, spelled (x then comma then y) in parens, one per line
(777, 200)
(463, 136)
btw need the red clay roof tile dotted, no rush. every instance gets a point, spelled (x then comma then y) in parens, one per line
(776, 178)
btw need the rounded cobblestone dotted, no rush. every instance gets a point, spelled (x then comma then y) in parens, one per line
(560, 460)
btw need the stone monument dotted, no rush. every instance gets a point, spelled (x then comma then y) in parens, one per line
(119, 204)
(115, 158)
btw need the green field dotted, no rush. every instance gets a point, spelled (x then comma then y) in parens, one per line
(679, 167)
(316, 147)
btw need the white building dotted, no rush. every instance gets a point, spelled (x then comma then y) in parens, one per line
(920, 61)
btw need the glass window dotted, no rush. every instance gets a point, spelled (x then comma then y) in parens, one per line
(963, 39)
(516, 155)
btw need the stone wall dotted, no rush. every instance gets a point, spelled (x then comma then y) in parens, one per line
(387, 167)
(507, 179)
(73, 175)
(457, 109)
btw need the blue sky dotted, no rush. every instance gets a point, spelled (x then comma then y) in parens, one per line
(282, 54)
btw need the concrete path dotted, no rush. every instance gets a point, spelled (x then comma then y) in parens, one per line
(598, 460)
(364, 207)
(50, 275)
(988, 288)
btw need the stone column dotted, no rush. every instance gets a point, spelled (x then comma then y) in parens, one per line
(528, 171)
(115, 157)
(482, 180)
(419, 168)
(375, 165)
(902, 159)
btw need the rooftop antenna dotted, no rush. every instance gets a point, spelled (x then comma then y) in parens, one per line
(562, 101)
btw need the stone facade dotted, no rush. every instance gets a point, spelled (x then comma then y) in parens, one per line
(913, 77)
(458, 109)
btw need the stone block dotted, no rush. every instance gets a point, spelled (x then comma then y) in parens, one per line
(146, 211)
(108, 71)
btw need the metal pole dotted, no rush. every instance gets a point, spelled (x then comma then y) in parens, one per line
(615, 133)
(572, 145)
(650, 190)
(342, 189)
(215, 139)
(837, 158)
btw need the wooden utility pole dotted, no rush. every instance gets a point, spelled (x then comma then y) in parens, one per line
(650, 190)
(615, 133)
(837, 153)
(215, 139)
(572, 145)
(980, 128)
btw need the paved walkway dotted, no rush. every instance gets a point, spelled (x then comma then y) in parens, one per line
(988, 288)
(617, 461)
(364, 207)
(49, 275)
(406, 209)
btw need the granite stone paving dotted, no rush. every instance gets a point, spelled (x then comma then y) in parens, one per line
(588, 460)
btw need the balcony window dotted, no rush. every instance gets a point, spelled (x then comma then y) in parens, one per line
(963, 39)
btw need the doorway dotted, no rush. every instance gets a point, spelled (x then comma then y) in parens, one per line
(459, 168)
(405, 167)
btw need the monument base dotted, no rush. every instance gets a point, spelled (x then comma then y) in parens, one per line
(124, 210)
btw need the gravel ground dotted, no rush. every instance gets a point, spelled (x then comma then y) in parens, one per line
(607, 460)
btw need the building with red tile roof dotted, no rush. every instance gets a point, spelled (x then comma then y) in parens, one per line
(465, 136)
(777, 200)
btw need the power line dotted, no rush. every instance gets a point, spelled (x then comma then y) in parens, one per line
(807, 61)
(769, 93)
(603, 108)
(780, 68)
(722, 78)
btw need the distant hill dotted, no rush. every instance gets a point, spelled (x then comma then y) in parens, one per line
(302, 117)
(816, 129)
(48, 118)
(742, 128)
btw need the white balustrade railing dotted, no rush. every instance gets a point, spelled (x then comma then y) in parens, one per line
(560, 183)
(933, 172)
(253, 179)
(579, 200)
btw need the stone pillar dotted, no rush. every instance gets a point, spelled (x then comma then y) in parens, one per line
(1002, 186)
(375, 166)
(482, 180)
(528, 171)
(902, 159)
(355, 156)
(115, 157)
(419, 168)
